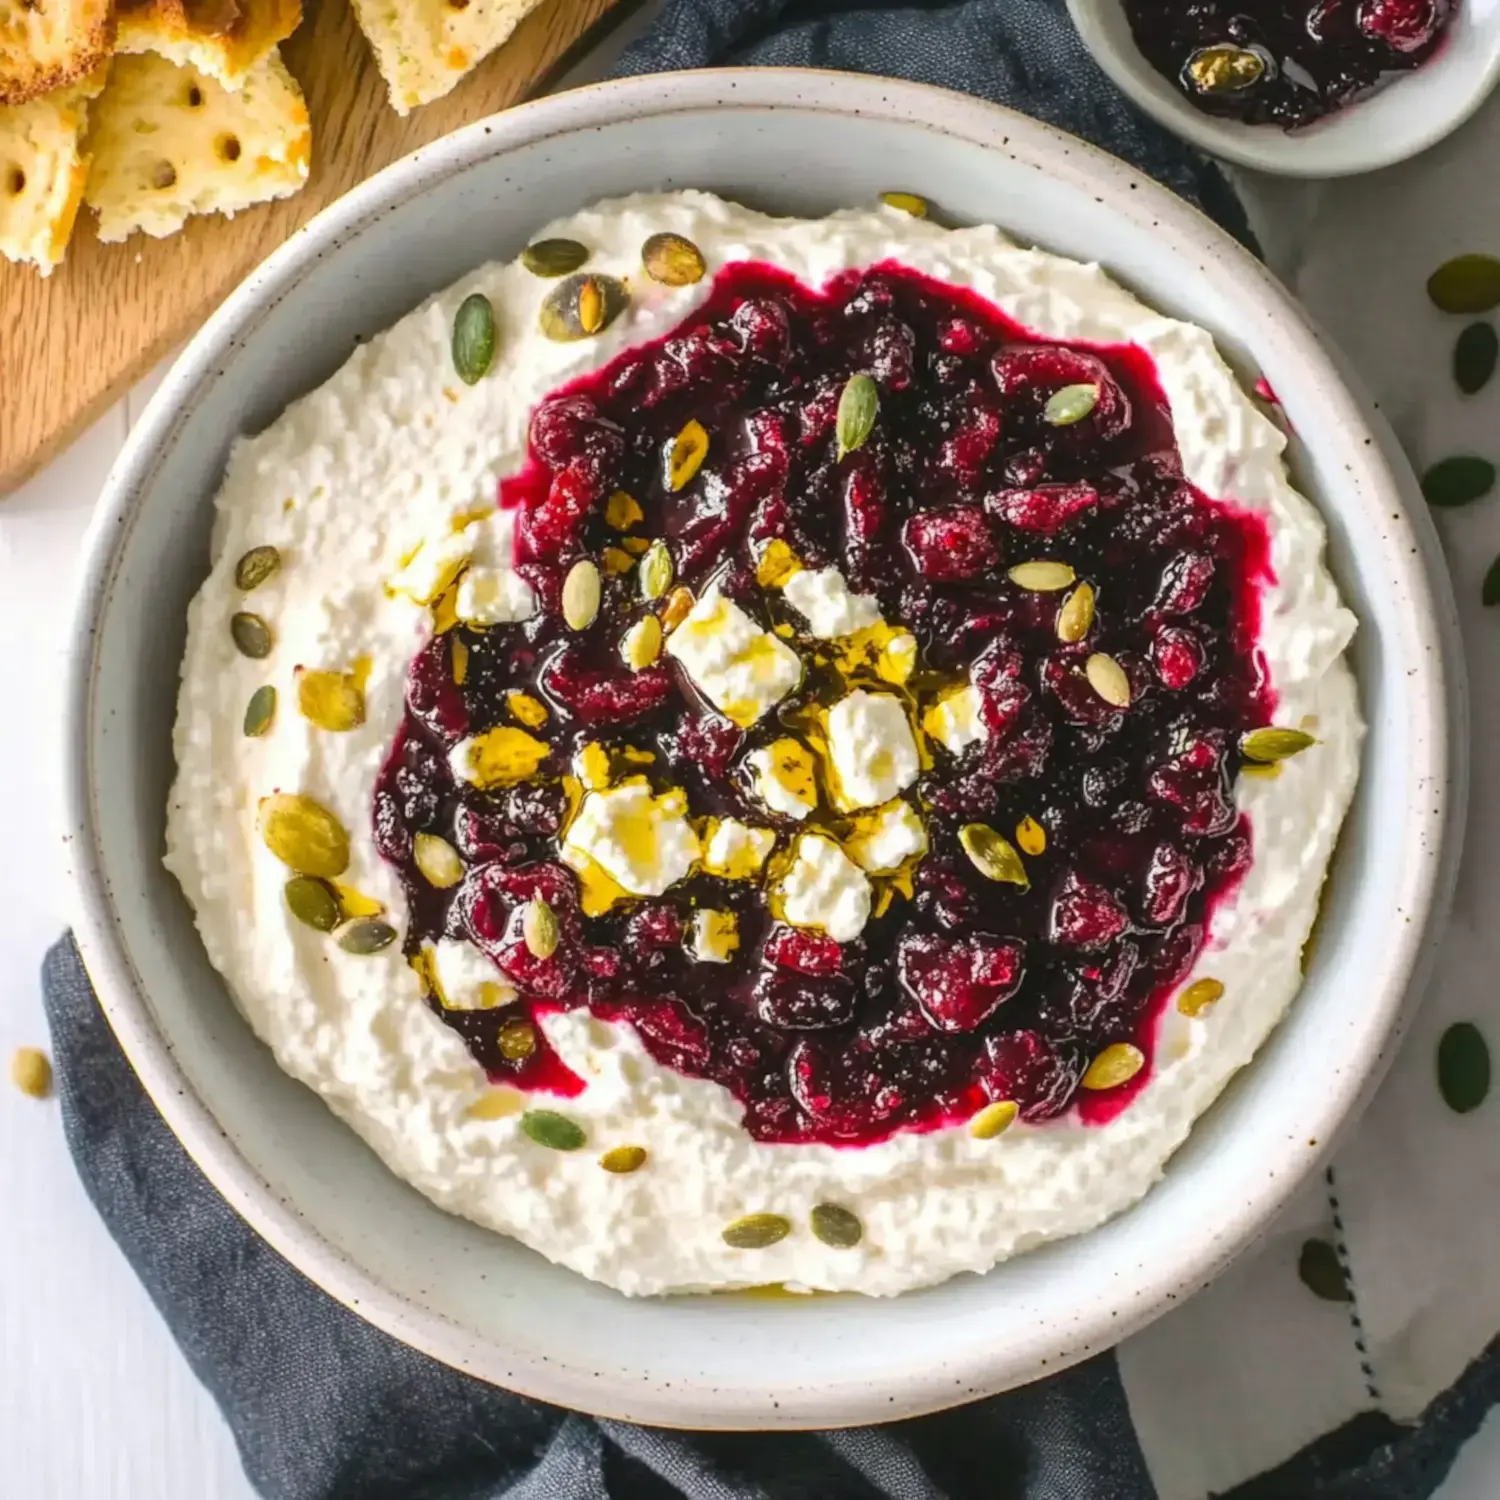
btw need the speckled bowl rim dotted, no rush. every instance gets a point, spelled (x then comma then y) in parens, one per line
(1436, 705)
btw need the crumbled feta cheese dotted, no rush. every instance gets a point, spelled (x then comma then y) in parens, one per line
(465, 978)
(642, 842)
(714, 936)
(898, 657)
(825, 888)
(735, 851)
(888, 837)
(956, 721)
(740, 668)
(871, 747)
(494, 596)
(785, 777)
(831, 610)
(433, 567)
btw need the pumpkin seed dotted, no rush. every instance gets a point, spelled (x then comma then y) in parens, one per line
(993, 855)
(1199, 995)
(474, 338)
(1070, 404)
(1077, 614)
(678, 607)
(1041, 577)
(836, 1226)
(1319, 1270)
(312, 902)
(1466, 284)
(1031, 836)
(994, 1119)
(1458, 481)
(1490, 591)
(673, 260)
(438, 861)
(908, 203)
(257, 565)
(685, 454)
(1117, 1064)
(1268, 745)
(251, 635)
(580, 595)
(1474, 357)
(31, 1072)
(1223, 69)
(334, 701)
(260, 711)
(554, 257)
(460, 662)
(642, 643)
(756, 1231)
(496, 1104)
(621, 1159)
(304, 835)
(1463, 1067)
(622, 511)
(548, 1128)
(365, 935)
(1107, 678)
(859, 405)
(657, 571)
(539, 928)
(516, 1039)
(580, 306)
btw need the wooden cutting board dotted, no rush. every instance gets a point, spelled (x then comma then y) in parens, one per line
(72, 344)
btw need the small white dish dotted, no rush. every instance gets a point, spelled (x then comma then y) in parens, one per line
(1413, 112)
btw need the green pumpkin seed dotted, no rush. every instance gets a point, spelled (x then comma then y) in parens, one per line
(539, 928)
(304, 835)
(993, 855)
(1077, 614)
(1474, 357)
(1270, 745)
(516, 1039)
(673, 260)
(474, 338)
(756, 1231)
(908, 203)
(656, 571)
(554, 257)
(251, 635)
(438, 861)
(836, 1226)
(557, 1132)
(1117, 1064)
(621, 1159)
(1458, 481)
(580, 595)
(1107, 678)
(1041, 577)
(312, 901)
(581, 306)
(1223, 69)
(1070, 404)
(1463, 1067)
(1490, 592)
(859, 405)
(257, 565)
(1320, 1272)
(260, 711)
(1466, 284)
(365, 935)
(994, 1119)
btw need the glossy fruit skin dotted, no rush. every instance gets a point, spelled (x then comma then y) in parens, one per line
(967, 990)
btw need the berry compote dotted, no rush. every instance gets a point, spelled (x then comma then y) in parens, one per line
(961, 989)
(1285, 62)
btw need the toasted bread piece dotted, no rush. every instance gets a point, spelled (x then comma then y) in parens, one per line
(222, 38)
(169, 141)
(423, 47)
(42, 171)
(47, 44)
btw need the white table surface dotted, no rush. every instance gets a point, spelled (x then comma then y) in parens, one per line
(96, 1403)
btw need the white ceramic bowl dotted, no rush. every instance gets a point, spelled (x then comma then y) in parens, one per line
(804, 143)
(1413, 113)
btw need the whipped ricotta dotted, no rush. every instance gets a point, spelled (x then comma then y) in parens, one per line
(383, 464)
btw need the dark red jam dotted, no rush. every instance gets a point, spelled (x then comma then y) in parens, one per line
(962, 990)
(1285, 62)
